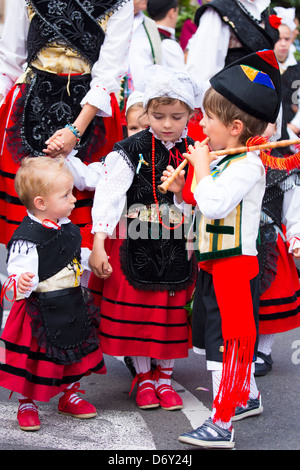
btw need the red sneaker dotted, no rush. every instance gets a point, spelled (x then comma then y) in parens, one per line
(27, 416)
(72, 405)
(145, 396)
(168, 398)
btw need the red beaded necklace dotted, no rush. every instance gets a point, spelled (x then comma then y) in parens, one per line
(154, 188)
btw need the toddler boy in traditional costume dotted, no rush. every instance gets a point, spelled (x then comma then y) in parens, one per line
(243, 98)
(51, 335)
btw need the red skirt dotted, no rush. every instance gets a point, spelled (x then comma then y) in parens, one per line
(280, 304)
(136, 322)
(12, 211)
(25, 369)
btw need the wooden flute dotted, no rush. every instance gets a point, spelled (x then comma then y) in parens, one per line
(163, 188)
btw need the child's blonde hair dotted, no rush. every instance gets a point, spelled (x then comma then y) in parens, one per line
(227, 112)
(134, 107)
(36, 176)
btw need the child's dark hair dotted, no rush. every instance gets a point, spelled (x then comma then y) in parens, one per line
(227, 112)
(165, 100)
(157, 14)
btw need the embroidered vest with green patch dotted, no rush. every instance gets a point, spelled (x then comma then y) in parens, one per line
(219, 238)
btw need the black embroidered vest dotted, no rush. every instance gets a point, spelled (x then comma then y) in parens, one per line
(50, 101)
(56, 248)
(141, 144)
(252, 37)
(153, 257)
(64, 321)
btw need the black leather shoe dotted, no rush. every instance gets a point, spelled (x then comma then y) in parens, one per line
(264, 367)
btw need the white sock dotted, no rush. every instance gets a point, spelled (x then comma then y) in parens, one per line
(254, 392)
(21, 397)
(142, 365)
(165, 364)
(265, 343)
(216, 380)
(25, 406)
(69, 386)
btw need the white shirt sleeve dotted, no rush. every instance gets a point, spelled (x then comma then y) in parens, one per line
(13, 51)
(291, 216)
(110, 194)
(113, 60)
(140, 55)
(24, 259)
(85, 254)
(106, 73)
(172, 55)
(208, 48)
(216, 198)
(85, 176)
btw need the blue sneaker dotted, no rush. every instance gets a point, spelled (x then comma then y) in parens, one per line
(254, 407)
(209, 435)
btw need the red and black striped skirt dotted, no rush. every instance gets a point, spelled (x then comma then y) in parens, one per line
(280, 304)
(24, 367)
(136, 322)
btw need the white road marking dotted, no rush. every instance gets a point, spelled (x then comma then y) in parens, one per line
(193, 408)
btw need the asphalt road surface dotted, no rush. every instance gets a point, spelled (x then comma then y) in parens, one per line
(124, 431)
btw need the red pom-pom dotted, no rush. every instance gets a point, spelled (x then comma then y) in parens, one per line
(257, 140)
(275, 21)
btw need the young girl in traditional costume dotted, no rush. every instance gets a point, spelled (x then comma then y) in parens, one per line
(242, 99)
(279, 246)
(149, 279)
(51, 336)
(75, 54)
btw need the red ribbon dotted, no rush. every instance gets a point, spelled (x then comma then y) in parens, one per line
(9, 284)
(295, 239)
(51, 224)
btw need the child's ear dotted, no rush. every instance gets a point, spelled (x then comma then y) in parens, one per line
(237, 127)
(39, 203)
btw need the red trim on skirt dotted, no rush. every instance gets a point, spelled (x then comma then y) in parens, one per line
(280, 303)
(25, 368)
(136, 322)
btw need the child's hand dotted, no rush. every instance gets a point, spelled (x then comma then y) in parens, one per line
(25, 283)
(98, 261)
(296, 253)
(62, 142)
(178, 183)
(200, 158)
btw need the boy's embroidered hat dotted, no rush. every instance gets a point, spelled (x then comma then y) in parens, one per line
(253, 84)
(166, 82)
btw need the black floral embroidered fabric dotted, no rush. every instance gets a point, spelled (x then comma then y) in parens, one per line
(157, 259)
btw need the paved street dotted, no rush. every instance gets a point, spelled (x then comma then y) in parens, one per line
(120, 425)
